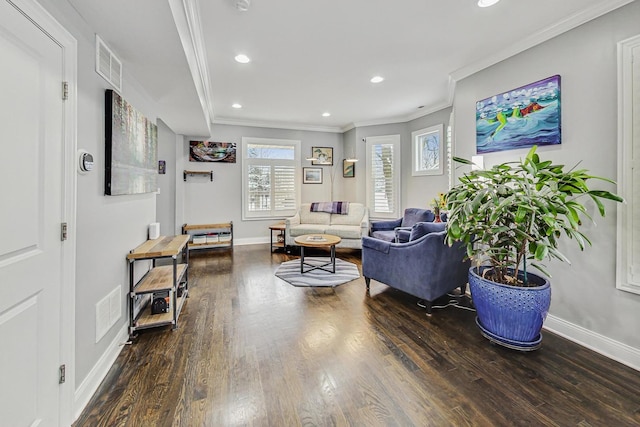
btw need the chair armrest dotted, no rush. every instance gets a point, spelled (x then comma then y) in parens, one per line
(403, 234)
(292, 221)
(385, 225)
(376, 244)
(364, 224)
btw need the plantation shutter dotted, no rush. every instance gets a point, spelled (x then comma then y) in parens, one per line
(635, 170)
(259, 192)
(284, 188)
(628, 250)
(270, 188)
(383, 176)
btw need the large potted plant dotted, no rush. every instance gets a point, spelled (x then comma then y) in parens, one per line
(510, 218)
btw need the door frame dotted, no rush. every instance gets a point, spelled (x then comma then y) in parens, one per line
(50, 26)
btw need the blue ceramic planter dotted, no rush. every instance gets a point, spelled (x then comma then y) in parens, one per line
(510, 315)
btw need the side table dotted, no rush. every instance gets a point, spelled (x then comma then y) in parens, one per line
(278, 243)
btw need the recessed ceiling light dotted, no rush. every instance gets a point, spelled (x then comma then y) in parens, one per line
(326, 114)
(236, 105)
(487, 3)
(242, 58)
(377, 79)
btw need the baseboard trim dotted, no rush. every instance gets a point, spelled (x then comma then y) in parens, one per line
(250, 241)
(612, 349)
(85, 391)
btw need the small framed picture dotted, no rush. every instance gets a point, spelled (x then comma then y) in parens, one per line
(162, 167)
(322, 156)
(348, 169)
(312, 175)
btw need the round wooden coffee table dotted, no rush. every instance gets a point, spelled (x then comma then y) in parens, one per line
(317, 241)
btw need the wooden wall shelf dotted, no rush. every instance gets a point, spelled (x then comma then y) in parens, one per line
(186, 172)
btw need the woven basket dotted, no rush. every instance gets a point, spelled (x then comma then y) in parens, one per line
(513, 313)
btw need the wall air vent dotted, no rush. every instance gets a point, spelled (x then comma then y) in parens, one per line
(108, 65)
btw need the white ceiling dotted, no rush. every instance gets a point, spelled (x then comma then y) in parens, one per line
(311, 57)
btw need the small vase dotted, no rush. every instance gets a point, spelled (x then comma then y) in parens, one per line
(437, 214)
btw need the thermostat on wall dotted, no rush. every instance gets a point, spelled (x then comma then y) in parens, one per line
(85, 161)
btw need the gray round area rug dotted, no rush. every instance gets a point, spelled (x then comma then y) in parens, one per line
(289, 271)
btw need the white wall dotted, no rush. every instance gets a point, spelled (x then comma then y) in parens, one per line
(108, 227)
(585, 298)
(419, 191)
(221, 200)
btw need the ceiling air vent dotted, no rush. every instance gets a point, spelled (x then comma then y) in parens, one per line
(108, 65)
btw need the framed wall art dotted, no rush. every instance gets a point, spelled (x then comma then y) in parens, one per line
(348, 169)
(211, 151)
(131, 149)
(428, 151)
(322, 156)
(312, 175)
(519, 118)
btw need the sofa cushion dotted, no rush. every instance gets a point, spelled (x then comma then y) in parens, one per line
(386, 235)
(423, 228)
(415, 215)
(354, 217)
(308, 217)
(345, 231)
(301, 229)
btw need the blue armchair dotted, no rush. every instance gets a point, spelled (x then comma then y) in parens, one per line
(387, 230)
(425, 267)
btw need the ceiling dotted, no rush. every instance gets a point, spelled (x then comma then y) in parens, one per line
(308, 58)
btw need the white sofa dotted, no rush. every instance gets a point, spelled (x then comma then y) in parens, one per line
(350, 228)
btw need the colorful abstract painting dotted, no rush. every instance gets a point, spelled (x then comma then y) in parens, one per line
(131, 149)
(522, 117)
(210, 151)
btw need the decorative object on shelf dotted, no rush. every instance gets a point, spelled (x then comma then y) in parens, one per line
(506, 121)
(210, 151)
(312, 175)
(131, 149)
(510, 217)
(186, 172)
(348, 168)
(321, 156)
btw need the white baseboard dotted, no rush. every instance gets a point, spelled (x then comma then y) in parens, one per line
(612, 349)
(250, 241)
(85, 391)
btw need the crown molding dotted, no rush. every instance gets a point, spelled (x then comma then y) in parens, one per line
(275, 125)
(186, 16)
(535, 39)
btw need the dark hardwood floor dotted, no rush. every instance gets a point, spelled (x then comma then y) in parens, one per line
(254, 350)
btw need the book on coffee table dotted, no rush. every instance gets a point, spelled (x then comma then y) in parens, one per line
(316, 239)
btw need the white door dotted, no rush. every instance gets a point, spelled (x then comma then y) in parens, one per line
(31, 200)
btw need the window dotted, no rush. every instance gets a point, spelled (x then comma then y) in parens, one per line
(628, 251)
(383, 176)
(428, 151)
(269, 178)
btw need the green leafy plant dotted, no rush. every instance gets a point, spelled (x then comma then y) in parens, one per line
(513, 214)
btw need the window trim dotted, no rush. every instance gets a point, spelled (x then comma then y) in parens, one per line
(246, 215)
(397, 175)
(416, 148)
(625, 212)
